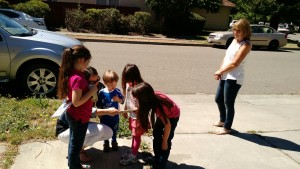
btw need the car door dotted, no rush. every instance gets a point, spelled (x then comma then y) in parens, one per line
(4, 58)
(260, 35)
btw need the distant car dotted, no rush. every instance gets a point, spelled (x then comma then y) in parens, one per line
(31, 56)
(282, 29)
(262, 36)
(24, 19)
(231, 23)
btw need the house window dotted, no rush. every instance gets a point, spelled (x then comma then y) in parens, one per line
(114, 2)
(108, 2)
(101, 2)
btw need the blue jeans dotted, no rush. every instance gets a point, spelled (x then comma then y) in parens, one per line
(225, 99)
(161, 156)
(77, 135)
(113, 123)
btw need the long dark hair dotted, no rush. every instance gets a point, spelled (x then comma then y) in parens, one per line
(70, 56)
(148, 100)
(131, 73)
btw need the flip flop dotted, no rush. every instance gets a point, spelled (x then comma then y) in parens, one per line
(218, 124)
(222, 131)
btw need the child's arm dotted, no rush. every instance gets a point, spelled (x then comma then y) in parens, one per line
(166, 135)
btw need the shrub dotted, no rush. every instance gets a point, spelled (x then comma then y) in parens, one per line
(104, 20)
(36, 8)
(189, 23)
(4, 4)
(125, 24)
(196, 23)
(76, 20)
(141, 22)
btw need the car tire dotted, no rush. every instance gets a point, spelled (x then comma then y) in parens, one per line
(228, 42)
(298, 44)
(40, 79)
(273, 45)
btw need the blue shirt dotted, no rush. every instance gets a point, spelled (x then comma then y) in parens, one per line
(105, 98)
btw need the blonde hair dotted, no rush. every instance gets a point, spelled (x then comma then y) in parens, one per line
(244, 26)
(110, 76)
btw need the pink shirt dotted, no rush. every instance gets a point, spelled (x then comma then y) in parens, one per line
(173, 112)
(82, 112)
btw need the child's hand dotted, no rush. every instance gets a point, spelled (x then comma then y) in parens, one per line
(117, 99)
(125, 115)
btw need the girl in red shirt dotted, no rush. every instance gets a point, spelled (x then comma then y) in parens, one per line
(167, 113)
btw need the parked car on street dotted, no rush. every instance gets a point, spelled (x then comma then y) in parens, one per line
(31, 56)
(282, 29)
(24, 19)
(262, 36)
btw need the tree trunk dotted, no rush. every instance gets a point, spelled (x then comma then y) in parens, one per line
(274, 21)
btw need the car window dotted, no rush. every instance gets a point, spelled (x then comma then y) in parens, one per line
(14, 28)
(254, 29)
(10, 14)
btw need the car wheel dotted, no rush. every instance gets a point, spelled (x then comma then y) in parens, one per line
(228, 42)
(40, 79)
(298, 44)
(273, 45)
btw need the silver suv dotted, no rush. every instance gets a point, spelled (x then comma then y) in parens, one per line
(31, 57)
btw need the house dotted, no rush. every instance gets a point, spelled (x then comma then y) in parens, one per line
(219, 20)
(215, 21)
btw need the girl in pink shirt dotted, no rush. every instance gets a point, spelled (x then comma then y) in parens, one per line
(73, 85)
(130, 77)
(167, 113)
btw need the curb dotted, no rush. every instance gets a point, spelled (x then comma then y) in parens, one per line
(141, 40)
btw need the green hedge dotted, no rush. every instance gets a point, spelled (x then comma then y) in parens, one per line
(108, 20)
(36, 8)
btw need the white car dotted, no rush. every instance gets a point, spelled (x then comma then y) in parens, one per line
(282, 29)
(262, 36)
(24, 19)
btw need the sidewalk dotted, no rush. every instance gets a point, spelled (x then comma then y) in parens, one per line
(273, 120)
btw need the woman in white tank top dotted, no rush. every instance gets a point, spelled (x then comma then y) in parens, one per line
(231, 75)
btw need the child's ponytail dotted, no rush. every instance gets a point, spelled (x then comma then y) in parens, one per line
(67, 64)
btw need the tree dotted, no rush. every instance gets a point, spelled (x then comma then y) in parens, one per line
(273, 11)
(178, 12)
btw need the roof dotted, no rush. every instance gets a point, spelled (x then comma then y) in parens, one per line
(227, 3)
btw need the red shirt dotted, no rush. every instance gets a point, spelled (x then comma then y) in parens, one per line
(82, 112)
(172, 112)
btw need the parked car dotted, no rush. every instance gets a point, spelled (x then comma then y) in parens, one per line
(262, 36)
(31, 56)
(282, 29)
(24, 19)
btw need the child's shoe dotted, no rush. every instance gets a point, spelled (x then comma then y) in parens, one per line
(106, 147)
(125, 155)
(114, 146)
(129, 160)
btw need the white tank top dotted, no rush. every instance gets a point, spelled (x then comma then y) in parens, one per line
(238, 72)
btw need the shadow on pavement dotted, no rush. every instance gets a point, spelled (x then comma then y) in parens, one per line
(172, 165)
(269, 141)
(110, 160)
